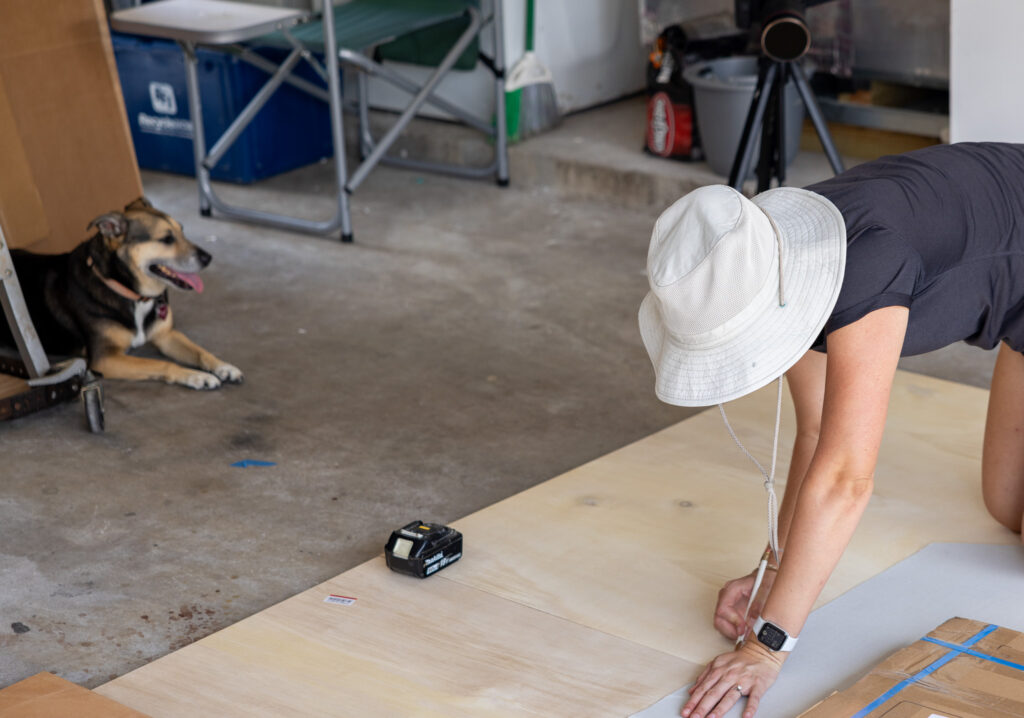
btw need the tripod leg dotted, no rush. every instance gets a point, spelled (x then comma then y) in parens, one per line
(741, 163)
(780, 123)
(765, 160)
(773, 146)
(817, 118)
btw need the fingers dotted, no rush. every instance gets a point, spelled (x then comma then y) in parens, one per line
(702, 676)
(753, 701)
(751, 620)
(706, 680)
(728, 619)
(716, 691)
(729, 625)
(713, 701)
(700, 689)
(718, 706)
(756, 609)
(735, 592)
(711, 673)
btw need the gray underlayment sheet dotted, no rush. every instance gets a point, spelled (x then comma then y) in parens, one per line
(845, 638)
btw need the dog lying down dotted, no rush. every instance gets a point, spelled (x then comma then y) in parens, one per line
(109, 295)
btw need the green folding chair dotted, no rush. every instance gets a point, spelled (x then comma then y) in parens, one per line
(368, 30)
(362, 34)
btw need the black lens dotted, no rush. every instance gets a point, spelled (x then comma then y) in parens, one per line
(786, 38)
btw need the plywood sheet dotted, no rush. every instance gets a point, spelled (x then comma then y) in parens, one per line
(590, 594)
(638, 542)
(843, 640)
(12, 386)
(44, 695)
(406, 647)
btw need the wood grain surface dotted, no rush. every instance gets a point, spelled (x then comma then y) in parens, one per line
(638, 542)
(12, 386)
(406, 647)
(589, 594)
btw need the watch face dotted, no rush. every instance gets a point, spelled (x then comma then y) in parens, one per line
(772, 636)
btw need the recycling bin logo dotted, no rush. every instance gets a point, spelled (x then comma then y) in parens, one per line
(161, 95)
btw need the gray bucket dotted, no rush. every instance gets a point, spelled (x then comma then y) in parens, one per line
(722, 92)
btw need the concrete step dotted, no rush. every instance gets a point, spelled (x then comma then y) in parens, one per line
(594, 155)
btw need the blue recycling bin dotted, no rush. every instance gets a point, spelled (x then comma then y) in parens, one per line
(293, 129)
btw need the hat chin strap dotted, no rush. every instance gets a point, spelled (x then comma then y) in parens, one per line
(769, 485)
(778, 241)
(769, 476)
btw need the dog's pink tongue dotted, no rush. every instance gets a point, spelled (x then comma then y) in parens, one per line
(191, 280)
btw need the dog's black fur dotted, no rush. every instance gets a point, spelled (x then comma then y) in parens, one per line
(110, 294)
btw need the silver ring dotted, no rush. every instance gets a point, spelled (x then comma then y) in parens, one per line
(739, 688)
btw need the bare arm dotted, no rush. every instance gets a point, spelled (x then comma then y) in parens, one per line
(826, 507)
(835, 493)
(807, 387)
(840, 478)
(806, 381)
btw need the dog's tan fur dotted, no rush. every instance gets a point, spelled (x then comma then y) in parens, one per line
(109, 295)
(110, 356)
(115, 363)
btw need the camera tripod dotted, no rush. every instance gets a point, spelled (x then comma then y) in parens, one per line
(770, 90)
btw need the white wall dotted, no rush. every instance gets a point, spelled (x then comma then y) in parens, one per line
(592, 48)
(986, 83)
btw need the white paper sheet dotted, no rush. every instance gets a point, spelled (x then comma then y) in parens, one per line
(845, 638)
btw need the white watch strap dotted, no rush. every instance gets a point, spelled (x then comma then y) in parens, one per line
(788, 645)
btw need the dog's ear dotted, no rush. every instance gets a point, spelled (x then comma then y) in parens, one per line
(140, 204)
(111, 225)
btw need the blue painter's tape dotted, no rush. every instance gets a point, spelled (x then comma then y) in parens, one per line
(903, 684)
(246, 463)
(976, 654)
(956, 651)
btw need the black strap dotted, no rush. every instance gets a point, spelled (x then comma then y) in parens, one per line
(489, 61)
(38, 398)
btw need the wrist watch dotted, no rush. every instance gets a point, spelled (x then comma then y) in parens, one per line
(773, 637)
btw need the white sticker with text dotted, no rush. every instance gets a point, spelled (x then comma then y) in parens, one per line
(344, 601)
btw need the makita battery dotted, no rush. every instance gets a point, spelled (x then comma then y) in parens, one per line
(421, 548)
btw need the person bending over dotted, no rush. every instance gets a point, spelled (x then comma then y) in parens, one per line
(829, 286)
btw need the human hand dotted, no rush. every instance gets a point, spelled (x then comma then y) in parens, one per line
(748, 671)
(732, 604)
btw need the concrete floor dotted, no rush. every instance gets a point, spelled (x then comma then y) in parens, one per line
(473, 342)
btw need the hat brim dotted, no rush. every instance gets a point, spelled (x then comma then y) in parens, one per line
(813, 237)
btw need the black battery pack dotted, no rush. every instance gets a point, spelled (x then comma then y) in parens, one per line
(421, 548)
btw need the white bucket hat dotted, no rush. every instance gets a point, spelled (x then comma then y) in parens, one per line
(721, 320)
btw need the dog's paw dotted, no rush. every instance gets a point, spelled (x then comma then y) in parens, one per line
(228, 372)
(199, 380)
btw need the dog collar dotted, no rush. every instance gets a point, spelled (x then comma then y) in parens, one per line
(115, 285)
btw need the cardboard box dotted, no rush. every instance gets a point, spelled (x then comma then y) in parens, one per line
(962, 669)
(44, 695)
(64, 139)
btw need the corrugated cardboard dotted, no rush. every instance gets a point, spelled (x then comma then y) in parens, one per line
(966, 686)
(44, 695)
(64, 141)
